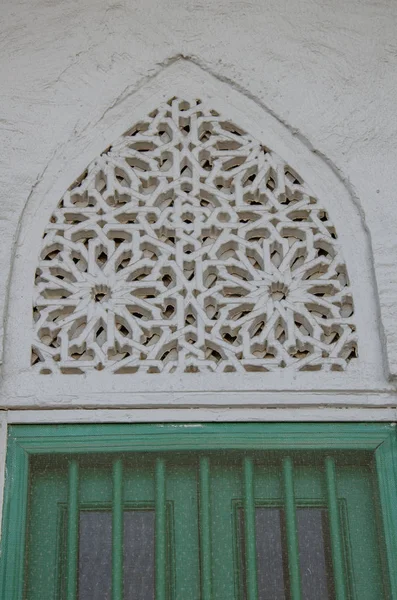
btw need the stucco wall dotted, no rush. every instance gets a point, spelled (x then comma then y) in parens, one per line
(327, 70)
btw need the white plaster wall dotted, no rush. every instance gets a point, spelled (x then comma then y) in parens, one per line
(326, 69)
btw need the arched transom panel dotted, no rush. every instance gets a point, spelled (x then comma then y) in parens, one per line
(189, 246)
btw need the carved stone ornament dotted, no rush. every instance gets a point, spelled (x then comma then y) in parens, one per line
(188, 246)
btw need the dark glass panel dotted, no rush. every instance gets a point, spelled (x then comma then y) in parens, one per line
(139, 527)
(271, 558)
(315, 554)
(95, 555)
(270, 554)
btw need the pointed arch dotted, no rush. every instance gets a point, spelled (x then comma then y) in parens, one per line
(189, 246)
(204, 238)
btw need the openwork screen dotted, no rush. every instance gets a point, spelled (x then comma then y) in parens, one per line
(188, 246)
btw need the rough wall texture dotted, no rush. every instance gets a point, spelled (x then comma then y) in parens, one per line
(327, 69)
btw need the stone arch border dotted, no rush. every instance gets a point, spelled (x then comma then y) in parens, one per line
(362, 384)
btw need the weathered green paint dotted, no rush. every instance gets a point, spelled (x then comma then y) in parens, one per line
(117, 530)
(14, 522)
(334, 525)
(161, 531)
(73, 531)
(41, 439)
(386, 466)
(205, 528)
(184, 487)
(250, 537)
(291, 527)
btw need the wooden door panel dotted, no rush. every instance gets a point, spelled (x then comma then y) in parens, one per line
(46, 540)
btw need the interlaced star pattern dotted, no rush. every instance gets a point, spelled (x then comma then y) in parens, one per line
(188, 246)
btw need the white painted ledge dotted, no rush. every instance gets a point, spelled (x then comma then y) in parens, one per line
(197, 415)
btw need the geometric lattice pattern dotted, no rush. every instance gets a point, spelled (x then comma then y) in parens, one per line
(188, 246)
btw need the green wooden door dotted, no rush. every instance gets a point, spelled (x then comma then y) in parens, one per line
(221, 525)
(48, 553)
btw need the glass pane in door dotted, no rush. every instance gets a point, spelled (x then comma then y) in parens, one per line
(272, 565)
(139, 540)
(315, 554)
(95, 555)
(272, 559)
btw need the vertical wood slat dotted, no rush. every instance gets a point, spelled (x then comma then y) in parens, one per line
(386, 468)
(72, 531)
(205, 529)
(250, 537)
(161, 540)
(334, 525)
(291, 529)
(117, 530)
(13, 539)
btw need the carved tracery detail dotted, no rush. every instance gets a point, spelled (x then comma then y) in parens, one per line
(188, 246)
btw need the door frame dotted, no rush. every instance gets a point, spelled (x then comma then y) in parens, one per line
(25, 441)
